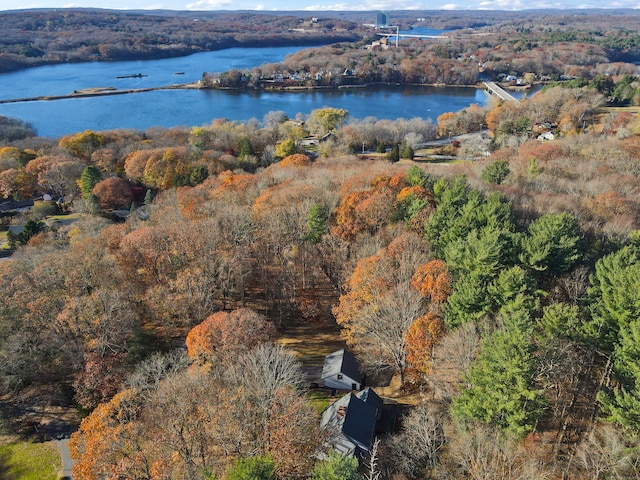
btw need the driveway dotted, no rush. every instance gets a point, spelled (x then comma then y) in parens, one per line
(65, 456)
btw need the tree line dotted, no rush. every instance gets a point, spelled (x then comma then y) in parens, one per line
(41, 37)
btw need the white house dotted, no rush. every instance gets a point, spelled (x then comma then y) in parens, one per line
(340, 371)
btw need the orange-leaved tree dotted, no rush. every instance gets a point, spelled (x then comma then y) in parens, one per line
(420, 340)
(224, 335)
(381, 304)
(106, 444)
(433, 281)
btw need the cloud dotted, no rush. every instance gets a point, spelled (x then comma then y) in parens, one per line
(450, 6)
(209, 5)
(155, 6)
(503, 5)
(260, 7)
(369, 6)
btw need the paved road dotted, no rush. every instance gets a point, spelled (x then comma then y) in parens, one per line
(65, 455)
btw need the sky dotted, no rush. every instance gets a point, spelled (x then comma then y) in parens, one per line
(317, 5)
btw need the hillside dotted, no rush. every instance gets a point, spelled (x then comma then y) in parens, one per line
(483, 269)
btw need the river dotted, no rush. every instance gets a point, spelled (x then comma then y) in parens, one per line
(169, 108)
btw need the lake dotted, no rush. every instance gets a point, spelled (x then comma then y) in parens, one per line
(168, 108)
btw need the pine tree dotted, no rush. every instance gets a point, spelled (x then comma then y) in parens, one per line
(554, 243)
(316, 223)
(88, 179)
(394, 154)
(500, 383)
(615, 328)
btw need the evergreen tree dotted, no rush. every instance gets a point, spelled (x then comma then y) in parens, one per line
(406, 151)
(553, 243)
(614, 328)
(461, 210)
(394, 154)
(198, 175)
(148, 197)
(622, 403)
(252, 468)
(560, 320)
(244, 148)
(336, 467)
(416, 177)
(613, 297)
(512, 288)
(496, 172)
(500, 383)
(469, 301)
(316, 223)
(88, 179)
(30, 229)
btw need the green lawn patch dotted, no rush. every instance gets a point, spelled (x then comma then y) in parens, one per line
(68, 217)
(320, 398)
(29, 461)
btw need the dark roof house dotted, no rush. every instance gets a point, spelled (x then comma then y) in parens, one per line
(13, 206)
(353, 421)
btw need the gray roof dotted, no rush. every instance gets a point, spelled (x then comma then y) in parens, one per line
(354, 416)
(341, 361)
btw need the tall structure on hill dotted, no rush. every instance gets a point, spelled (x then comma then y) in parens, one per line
(382, 19)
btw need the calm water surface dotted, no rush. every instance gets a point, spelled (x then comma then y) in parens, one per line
(198, 107)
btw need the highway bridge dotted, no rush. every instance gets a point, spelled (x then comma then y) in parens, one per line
(499, 92)
(409, 35)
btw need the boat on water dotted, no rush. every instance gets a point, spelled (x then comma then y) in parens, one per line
(134, 75)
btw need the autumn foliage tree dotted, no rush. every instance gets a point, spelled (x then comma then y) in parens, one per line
(381, 304)
(112, 193)
(433, 281)
(368, 210)
(420, 341)
(224, 335)
(252, 406)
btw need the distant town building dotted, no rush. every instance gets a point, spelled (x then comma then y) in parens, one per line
(382, 19)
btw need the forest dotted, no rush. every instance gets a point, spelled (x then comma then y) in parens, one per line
(534, 48)
(157, 288)
(43, 37)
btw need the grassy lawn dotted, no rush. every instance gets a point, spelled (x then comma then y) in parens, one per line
(311, 343)
(29, 461)
(320, 398)
(69, 217)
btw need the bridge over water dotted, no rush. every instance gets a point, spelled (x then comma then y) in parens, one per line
(410, 35)
(498, 91)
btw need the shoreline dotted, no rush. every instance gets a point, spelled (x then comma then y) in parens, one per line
(101, 92)
(106, 91)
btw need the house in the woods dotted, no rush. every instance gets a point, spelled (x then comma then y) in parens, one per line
(353, 421)
(11, 206)
(341, 372)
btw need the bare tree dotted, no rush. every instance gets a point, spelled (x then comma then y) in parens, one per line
(606, 453)
(416, 449)
(483, 454)
(373, 472)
